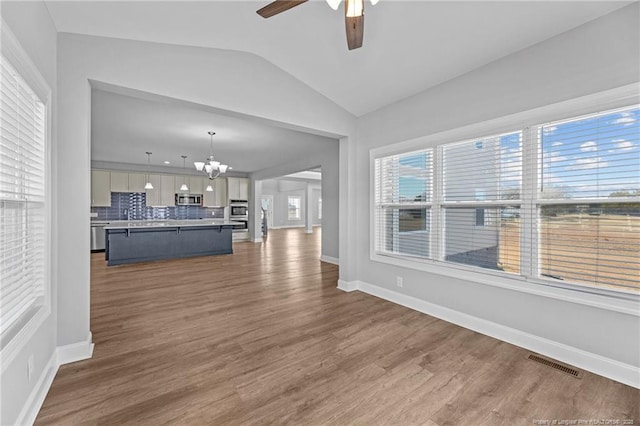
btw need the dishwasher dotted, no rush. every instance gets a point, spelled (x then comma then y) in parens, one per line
(97, 236)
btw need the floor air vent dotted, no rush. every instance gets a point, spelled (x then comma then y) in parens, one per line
(560, 367)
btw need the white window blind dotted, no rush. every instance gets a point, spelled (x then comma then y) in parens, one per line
(22, 199)
(558, 202)
(403, 197)
(589, 190)
(482, 185)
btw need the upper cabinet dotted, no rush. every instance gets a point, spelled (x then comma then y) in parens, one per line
(100, 188)
(119, 182)
(195, 185)
(137, 182)
(238, 188)
(162, 194)
(217, 197)
(167, 193)
(127, 182)
(221, 191)
(165, 187)
(180, 180)
(153, 195)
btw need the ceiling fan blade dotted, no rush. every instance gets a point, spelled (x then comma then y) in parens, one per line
(278, 6)
(355, 31)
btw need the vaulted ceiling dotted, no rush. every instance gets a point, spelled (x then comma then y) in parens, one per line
(409, 46)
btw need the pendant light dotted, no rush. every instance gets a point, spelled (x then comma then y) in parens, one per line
(209, 188)
(184, 186)
(211, 167)
(148, 184)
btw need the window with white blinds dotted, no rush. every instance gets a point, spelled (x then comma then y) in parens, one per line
(482, 183)
(23, 213)
(403, 192)
(294, 204)
(589, 186)
(558, 202)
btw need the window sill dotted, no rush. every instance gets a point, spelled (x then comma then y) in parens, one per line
(617, 301)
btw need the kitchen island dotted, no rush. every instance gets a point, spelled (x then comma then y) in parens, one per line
(147, 240)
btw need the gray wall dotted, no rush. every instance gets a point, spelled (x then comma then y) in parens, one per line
(316, 193)
(600, 55)
(281, 189)
(334, 166)
(31, 23)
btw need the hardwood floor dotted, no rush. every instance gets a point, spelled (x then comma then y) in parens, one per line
(263, 336)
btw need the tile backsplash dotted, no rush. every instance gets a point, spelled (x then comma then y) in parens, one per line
(133, 206)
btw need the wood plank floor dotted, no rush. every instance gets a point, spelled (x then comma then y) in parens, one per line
(263, 336)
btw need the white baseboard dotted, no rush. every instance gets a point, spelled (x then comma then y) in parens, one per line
(607, 367)
(62, 355)
(348, 285)
(75, 352)
(257, 240)
(308, 231)
(329, 259)
(286, 226)
(33, 404)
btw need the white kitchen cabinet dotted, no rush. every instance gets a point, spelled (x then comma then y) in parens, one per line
(119, 182)
(220, 190)
(137, 182)
(153, 195)
(217, 197)
(167, 190)
(178, 181)
(209, 198)
(195, 185)
(238, 188)
(100, 188)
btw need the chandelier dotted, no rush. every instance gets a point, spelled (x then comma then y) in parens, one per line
(211, 168)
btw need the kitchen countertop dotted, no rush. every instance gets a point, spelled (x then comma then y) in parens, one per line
(127, 224)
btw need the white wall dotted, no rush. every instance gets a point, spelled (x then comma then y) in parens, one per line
(31, 24)
(335, 189)
(600, 55)
(316, 193)
(281, 189)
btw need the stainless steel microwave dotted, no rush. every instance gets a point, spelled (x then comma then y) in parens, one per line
(188, 199)
(239, 210)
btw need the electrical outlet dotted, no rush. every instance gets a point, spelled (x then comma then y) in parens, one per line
(29, 367)
(399, 282)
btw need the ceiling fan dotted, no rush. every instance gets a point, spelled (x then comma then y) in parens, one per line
(353, 16)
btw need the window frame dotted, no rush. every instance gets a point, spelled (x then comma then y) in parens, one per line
(427, 204)
(527, 121)
(22, 331)
(298, 209)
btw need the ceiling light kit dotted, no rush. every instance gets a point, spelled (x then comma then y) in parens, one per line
(353, 16)
(211, 168)
(148, 184)
(184, 186)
